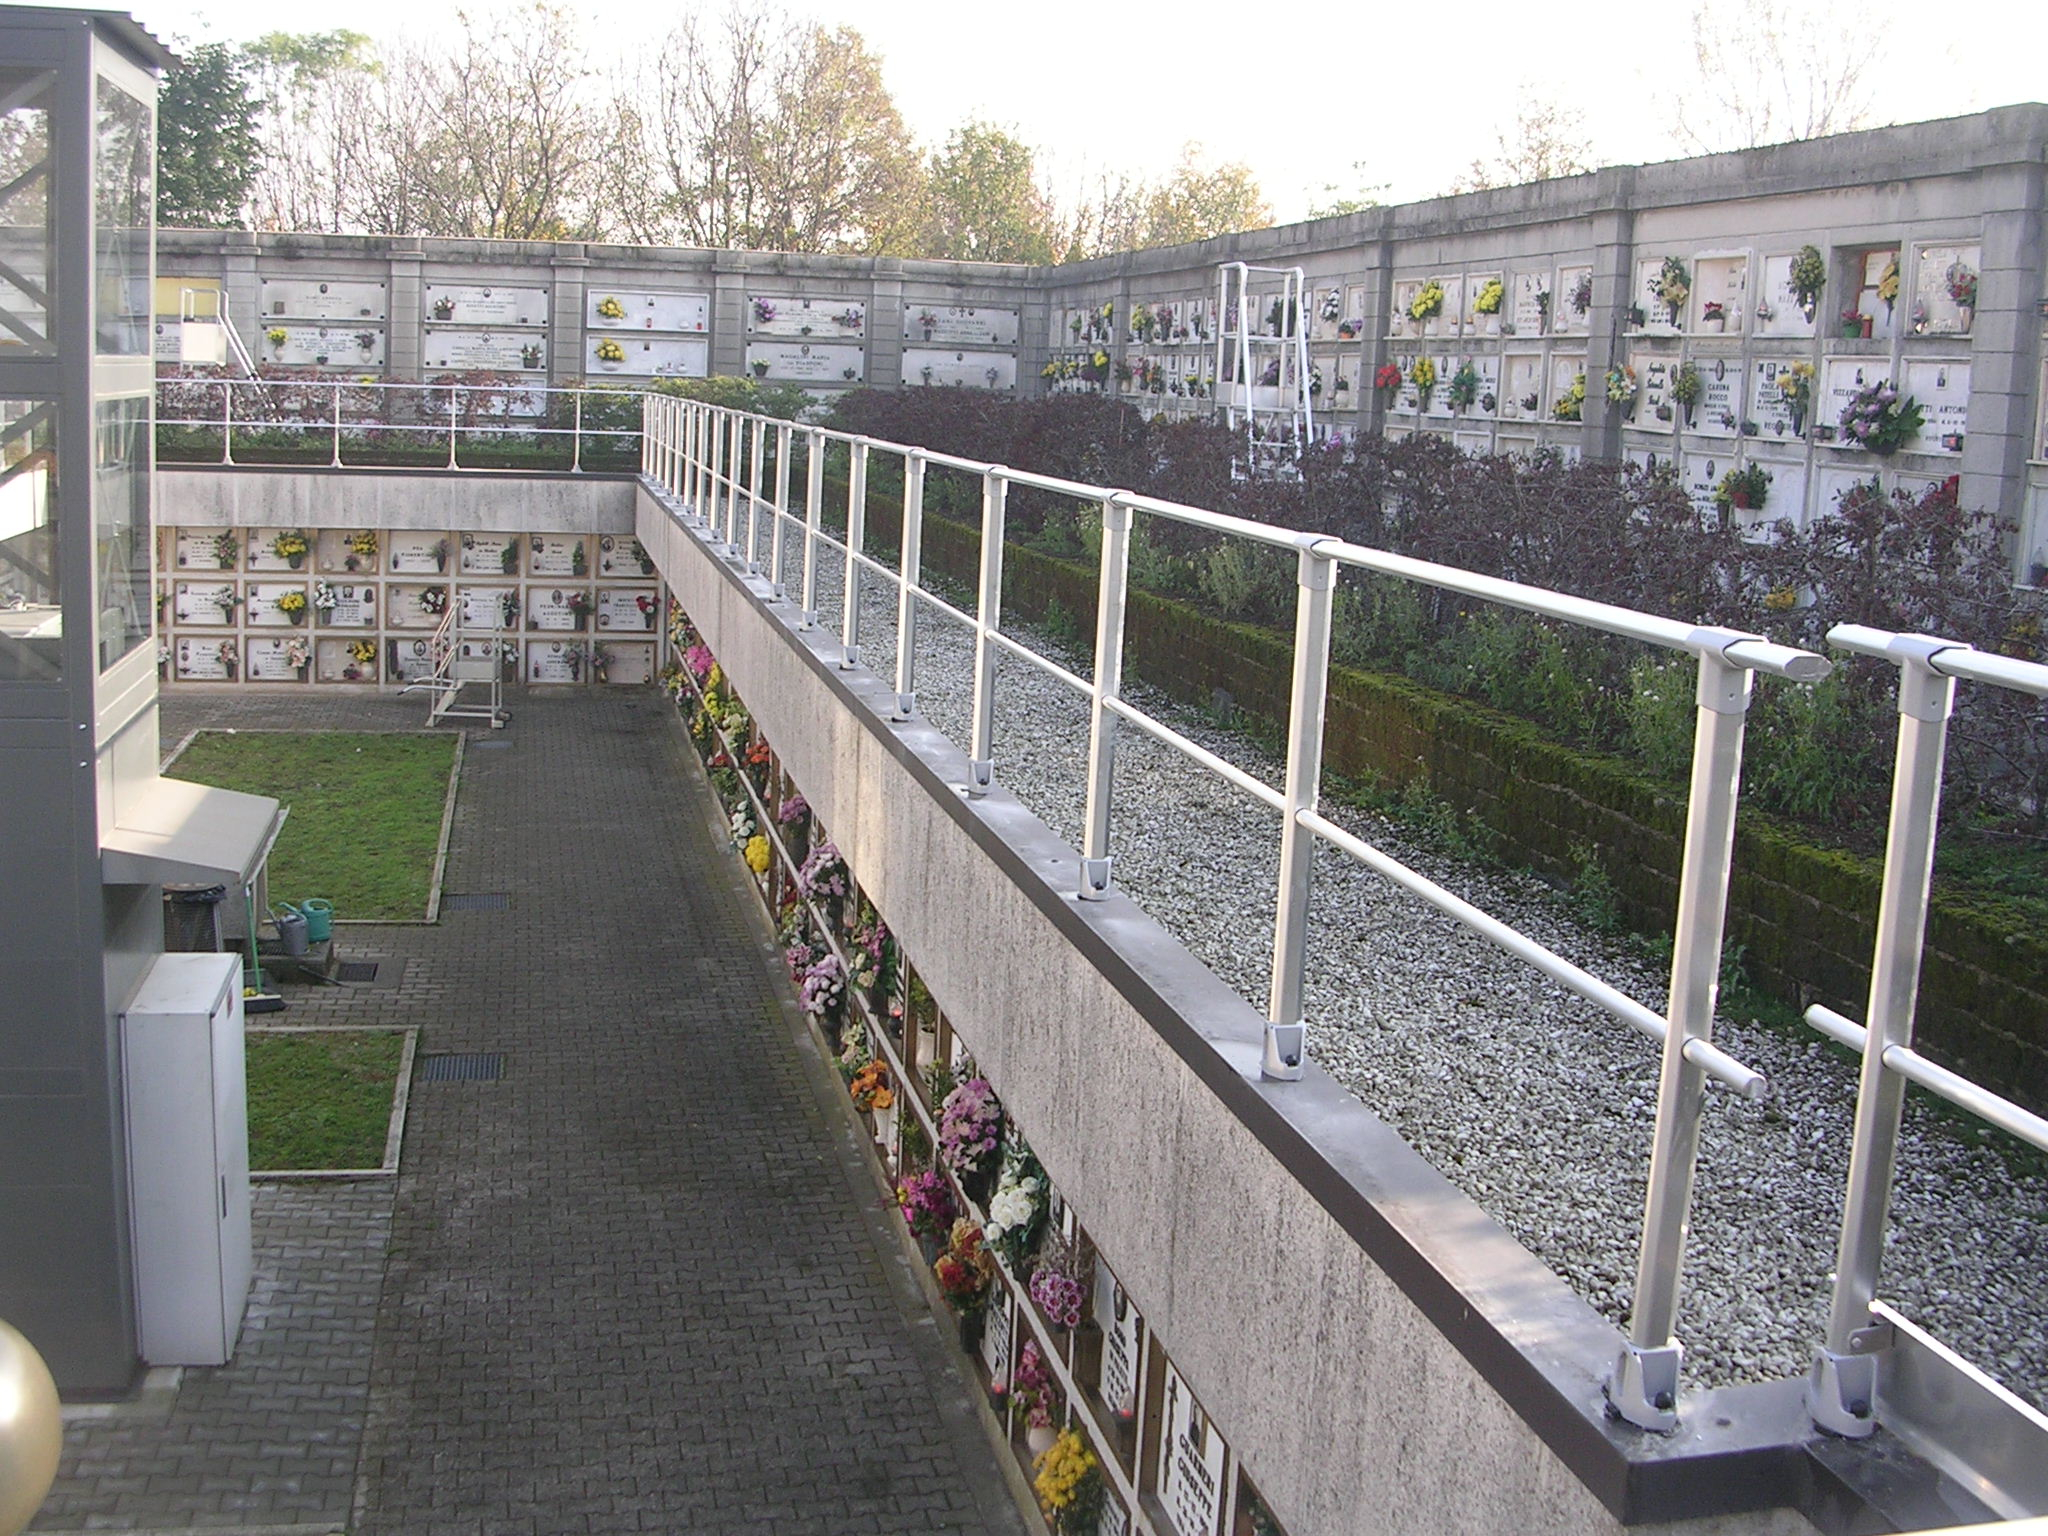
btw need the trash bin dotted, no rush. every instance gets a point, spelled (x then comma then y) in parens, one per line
(192, 918)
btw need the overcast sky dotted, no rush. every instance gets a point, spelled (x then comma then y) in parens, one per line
(1414, 93)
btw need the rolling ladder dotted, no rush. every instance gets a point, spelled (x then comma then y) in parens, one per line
(1262, 368)
(461, 657)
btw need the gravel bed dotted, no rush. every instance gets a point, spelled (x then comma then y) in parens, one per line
(1534, 1103)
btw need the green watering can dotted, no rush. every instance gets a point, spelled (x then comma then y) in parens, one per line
(319, 915)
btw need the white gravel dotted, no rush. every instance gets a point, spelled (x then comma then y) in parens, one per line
(1535, 1104)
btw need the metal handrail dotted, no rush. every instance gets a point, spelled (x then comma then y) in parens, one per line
(1842, 1389)
(442, 424)
(710, 459)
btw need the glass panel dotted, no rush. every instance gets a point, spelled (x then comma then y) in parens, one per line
(124, 186)
(31, 619)
(28, 230)
(121, 537)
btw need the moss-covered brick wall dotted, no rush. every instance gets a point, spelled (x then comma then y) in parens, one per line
(1804, 917)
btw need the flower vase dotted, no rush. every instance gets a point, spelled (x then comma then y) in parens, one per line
(1798, 421)
(1965, 315)
(930, 1247)
(1714, 325)
(971, 1324)
(297, 618)
(295, 561)
(1038, 1439)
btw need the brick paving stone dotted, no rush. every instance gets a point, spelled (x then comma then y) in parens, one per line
(641, 1282)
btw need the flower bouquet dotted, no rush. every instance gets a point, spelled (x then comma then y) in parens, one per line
(1880, 419)
(970, 1127)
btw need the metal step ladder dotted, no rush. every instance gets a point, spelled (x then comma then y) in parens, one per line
(1262, 367)
(462, 658)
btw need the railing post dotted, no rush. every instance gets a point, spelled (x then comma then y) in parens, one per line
(576, 437)
(783, 436)
(814, 509)
(754, 478)
(988, 620)
(694, 462)
(1841, 1388)
(856, 540)
(909, 571)
(337, 428)
(227, 421)
(686, 468)
(715, 434)
(736, 457)
(647, 443)
(1644, 1386)
(453, 408)
(1286, 1028)
(1108, 684)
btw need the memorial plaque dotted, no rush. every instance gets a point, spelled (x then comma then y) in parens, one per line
(1328, 306)
(1352, 326)
(409, 659)
(554, 608)
(344, 605)
(1565, 318)
(1445, 321)
(1346, 393)
(262, 606)
(300, 345)
(964, 326)
(1401, 319)
(647, 357)
(418, 554)
(805, 362)
(1477, 324)
(1407, 398)
(415, 607)
(494, 351)
(199, 549)
(554, 661)
(477, 304)
(335, 662)
(206, 661)
(1840, 379)
(2034, 539)
(997, 1339)
(1938, 270)
(1522, 392)
(1655, 410)
(622, 664)
(1122, 1339)
(1565, 367)
(1719, 412)
(490, 554)
(484, 607)
(1525, 308)
(1833, 482)
(775, 314)
(1656, 313)
(213, 604)
(619, 555)
(1784, 500)
(296, 298)
(1769, 408)
(1191, 1461)
(348, 551)
(279, 660)
(1702, 472)
(1722, 280)
(1114, 1520)
(556, 554)
(1473, 443)
(1510, 444)
(627, 608)
(1777, 295)
(959, 370)
(647, 311)
(259, 550)
(1943, 390)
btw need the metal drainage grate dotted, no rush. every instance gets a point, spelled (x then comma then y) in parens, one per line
(494, 745)
(356, 970)
(462, 1067)
(475, 901)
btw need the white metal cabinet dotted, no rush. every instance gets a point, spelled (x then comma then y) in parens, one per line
(188, 1158)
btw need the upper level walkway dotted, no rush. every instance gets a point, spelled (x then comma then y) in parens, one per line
(642, 1282)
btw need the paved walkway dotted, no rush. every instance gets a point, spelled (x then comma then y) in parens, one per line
(641, 1282)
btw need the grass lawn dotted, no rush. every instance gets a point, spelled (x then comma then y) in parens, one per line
(366, 810)
(321, 1100)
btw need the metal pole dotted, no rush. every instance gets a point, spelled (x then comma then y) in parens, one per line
(909, 572)
(856, 541)
(709, 482)
(1841, 1391)
(783, 436)
(1286, 1029)
(814, 508)
(988, 620)
(735, 467)
(452, 409)
(754, 479)
(576, 463)
(227, 421)
(689, 468)
(337, 428)
(1108, 684)
(1644, 1387)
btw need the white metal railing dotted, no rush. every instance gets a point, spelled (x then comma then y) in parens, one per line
(369, 425)
(712, 461)
(1843, 1388)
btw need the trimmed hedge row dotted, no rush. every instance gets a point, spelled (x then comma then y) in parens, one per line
(1803, 917)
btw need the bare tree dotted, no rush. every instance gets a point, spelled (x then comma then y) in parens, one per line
(1546, 139)
(1118, 212)
(1772, 72)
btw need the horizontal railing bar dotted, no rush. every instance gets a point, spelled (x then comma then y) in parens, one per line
(1051, 668)
(1935, 1078)
(1746, 1081)
(1951, 658)
(1221, 767)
